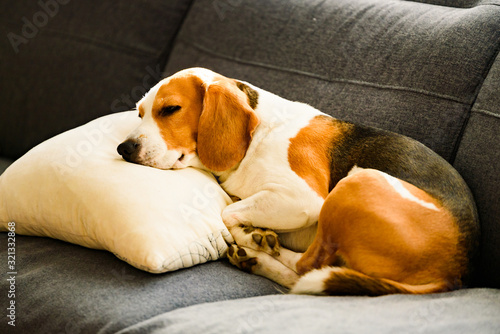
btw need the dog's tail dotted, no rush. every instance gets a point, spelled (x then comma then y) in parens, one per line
(345, 281)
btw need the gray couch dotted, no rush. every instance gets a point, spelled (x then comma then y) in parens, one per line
(428, 69)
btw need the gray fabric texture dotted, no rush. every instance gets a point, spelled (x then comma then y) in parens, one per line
(392, 64)
(408, 67)
(425, 68)
(478, 160)
(465, 311)
(77, 60)
(66, 288)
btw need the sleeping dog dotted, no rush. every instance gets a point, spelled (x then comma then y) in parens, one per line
(327, 207)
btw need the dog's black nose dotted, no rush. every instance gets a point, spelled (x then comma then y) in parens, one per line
(128, 149)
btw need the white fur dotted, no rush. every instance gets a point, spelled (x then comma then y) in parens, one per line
(397, 185)
(313, 282)
(154, 150)
(274, 268)
(354, 170)
(274, 196)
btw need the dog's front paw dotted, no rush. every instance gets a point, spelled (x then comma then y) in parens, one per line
(241, 258)
(267, 240)
(258, 239)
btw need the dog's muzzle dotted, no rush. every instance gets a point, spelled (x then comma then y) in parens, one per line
(129, 150)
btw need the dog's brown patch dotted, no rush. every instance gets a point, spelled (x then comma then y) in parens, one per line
(226, 125)
(180, 129)
(402, 241)
(309, 153)
(141, 111)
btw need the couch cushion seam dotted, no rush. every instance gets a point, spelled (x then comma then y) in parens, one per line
(166, 52)
(487, 70)
(482, 4)
(485, 112)
(319, 77)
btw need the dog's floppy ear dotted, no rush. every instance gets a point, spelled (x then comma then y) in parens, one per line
(226, 125)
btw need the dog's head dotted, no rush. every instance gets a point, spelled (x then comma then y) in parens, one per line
(193, 116)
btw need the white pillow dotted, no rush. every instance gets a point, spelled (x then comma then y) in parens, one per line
(75, 187)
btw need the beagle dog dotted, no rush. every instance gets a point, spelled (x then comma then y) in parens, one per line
(327, 206)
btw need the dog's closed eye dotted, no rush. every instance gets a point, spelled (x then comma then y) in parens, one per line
(168, 110)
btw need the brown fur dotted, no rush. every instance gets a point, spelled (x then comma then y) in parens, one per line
(226, 126)
(306, 154)
(180, 129)
(375, 241)
(141, 111)
(397, 243)
(217, 121)
(344, 281)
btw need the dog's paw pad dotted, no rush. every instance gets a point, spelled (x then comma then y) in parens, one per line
(257, 238)
(271, 240)
(267, 241)
(241, 259)
(241, 253)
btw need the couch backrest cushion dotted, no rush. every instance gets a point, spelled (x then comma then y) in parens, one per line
(410, 67)
(64, 63)
(478, 160)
